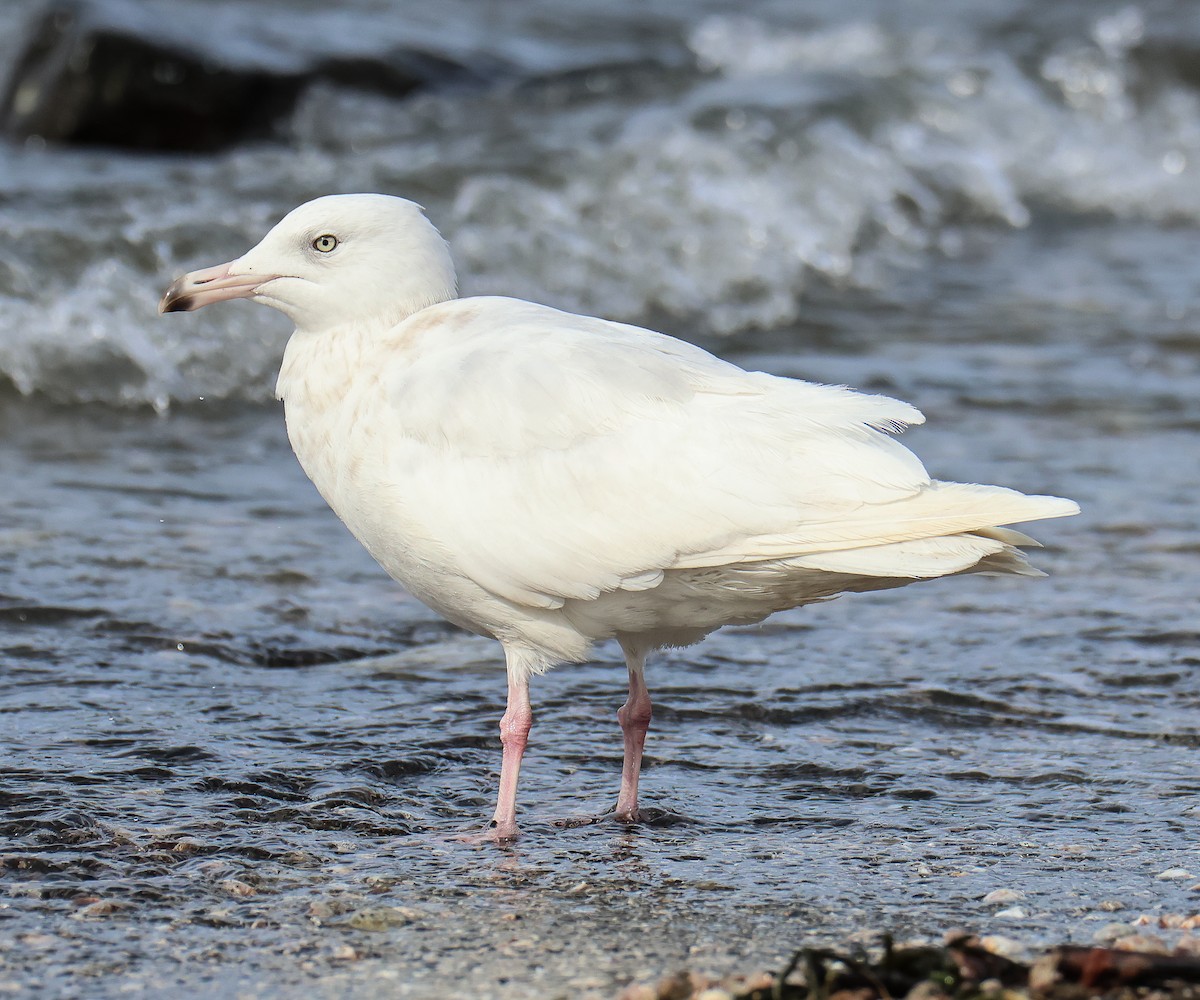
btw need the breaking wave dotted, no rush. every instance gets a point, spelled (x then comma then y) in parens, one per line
(706, 198)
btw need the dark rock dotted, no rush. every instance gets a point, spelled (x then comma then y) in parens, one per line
(106, 72)
(402, 71)
(1162, 59)
(87, 77)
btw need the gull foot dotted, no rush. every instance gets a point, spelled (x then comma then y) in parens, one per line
(493, 833)
(501, 833)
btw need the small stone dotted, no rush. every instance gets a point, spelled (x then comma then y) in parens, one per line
(1043, 975)
(408, 913)
(714, 993)
(1005, 947)
(1189, 944)
(1003, 896)
(344, 953)
(1142, 942)
(638, 991)
(219, 915)
(1174, 873)
(1169, 921)
(377, 918)
(236, 887)
(676, 987)
(1111, 932)
(1111, 905)
(39, 942)
(582, 983)
(100, 908)
(1012, 913)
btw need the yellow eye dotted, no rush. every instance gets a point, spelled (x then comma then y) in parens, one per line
(325, 244)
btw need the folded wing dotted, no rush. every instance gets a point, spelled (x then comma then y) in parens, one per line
(565, 457)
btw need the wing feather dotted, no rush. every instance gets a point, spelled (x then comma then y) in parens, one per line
(561, 457)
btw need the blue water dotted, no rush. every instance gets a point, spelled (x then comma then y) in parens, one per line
(234, 757)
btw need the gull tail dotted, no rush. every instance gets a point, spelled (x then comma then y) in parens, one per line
(950, 528)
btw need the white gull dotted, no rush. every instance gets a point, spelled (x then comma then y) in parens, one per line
(552, 480)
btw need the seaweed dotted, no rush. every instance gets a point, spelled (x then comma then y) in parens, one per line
(961, 969)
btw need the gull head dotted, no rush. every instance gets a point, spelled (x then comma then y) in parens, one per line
(345, 258)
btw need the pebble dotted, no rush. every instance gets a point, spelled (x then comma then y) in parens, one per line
(1173, 921)
(1189, 944)
(1004, 896)
(1142, 942)
(320, 909)
(1111, 932)
(39, 942)
(1005, 947)
(377, 918)
(1012, 913)
(1174, 873)
(100, 908)
(1043, 975)
(676, 987)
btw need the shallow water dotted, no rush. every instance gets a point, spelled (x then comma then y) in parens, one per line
(234, 757)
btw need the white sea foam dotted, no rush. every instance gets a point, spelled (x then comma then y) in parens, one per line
(705, 201)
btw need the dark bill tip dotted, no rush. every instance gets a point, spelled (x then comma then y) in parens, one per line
(178, 298)
(211, 284)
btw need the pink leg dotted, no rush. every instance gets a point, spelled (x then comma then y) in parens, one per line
(514, 735)
(634, 717)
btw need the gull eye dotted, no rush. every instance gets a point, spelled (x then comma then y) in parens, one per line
(325, 244)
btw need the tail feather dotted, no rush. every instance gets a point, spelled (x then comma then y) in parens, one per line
(1010, 536)
(924, 558)
(945, 528)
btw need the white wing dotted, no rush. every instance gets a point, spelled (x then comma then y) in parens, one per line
(560, 457)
